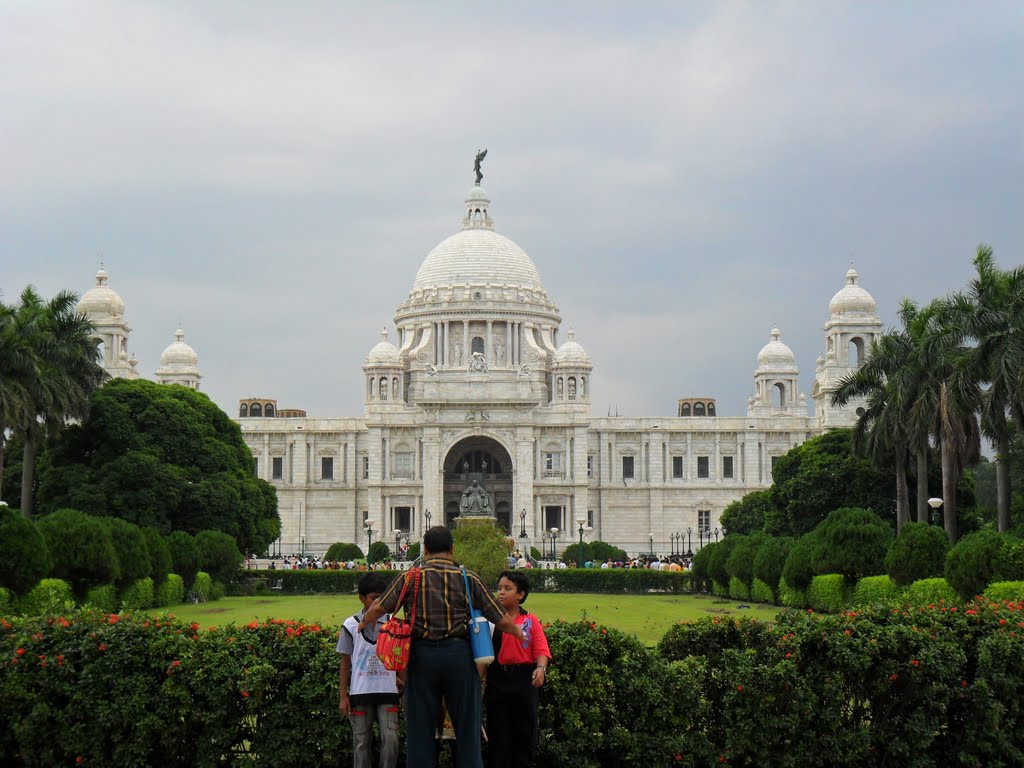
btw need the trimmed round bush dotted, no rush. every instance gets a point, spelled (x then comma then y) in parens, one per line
(719, 590)
(82, 549)
(218, 555)
(379, 551)
(132, 551)
(930, 592)
(103, 597)
(876, 590)
(827, 593)
(972, 564)
(170, 592)
(799, 568)
(414, 550)
(6, 601)
(699, 568)
(202, 587)
(771, 559)
(761, 592)
(184, 556)
(737, 589)
(343, 551)
(853, 542)
(1010, 566)
(790, 596)
(999, 591)
(718, 559)
(138, 594)
(919, 552)
(26, 557)
(48, 596)
(159, 555)
(602, 552)
(740, 564)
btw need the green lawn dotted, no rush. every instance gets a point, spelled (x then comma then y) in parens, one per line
(646, 616)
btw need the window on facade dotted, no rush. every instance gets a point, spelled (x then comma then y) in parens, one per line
(326, 467)
(684, 410)
(698, 409)
(277, 468)
(256, 410)
(704, 520)
(572, 387)
(560, 387)
(243, 410)
(711, 409)
(477, 345)
(394, 389)
(401, 464)
(627, 467)
(727, 466)
(590, 518)
(590, 466)
(552, 465)
(270, 410)
(383, 389)
(677, 466)
(366, 467)
(553, 519)
(703, 466)
(402, 519)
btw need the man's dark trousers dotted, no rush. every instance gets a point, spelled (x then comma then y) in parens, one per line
(442, 669)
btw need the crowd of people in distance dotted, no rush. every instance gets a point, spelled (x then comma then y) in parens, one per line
(316, 563)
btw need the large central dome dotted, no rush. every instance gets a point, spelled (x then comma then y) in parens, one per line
(477, 256)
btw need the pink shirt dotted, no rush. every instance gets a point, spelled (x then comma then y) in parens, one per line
(512, 651)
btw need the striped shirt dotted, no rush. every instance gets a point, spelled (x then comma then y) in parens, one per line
(442, 610)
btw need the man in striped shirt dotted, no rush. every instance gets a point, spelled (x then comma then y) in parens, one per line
(441, 661)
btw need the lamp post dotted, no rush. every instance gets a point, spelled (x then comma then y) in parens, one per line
(935, 503)
(369, 539)
(554, 537)
(689, 542)
(716, 535)
(650, 540)
(522, 519)
(581, 556)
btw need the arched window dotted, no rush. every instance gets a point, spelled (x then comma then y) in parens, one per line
(711, 409)
(856, 350)
(243, 410)
(561, 386)
(383, 388)
(477, 345)
(256, 409)
(684, 410)
(394, 388)
(698, 409)
(269, 410)
(779, 394)
(572, 387)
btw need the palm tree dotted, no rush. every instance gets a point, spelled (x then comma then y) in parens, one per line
(16, 363)
(56, 377)
(991, 313)
(890, 380)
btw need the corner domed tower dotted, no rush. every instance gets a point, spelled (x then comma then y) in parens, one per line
(478, 317)
(105, 311)
(179, 364)
(852, 328)
(571, 373)
(385, 378)
(776, 387)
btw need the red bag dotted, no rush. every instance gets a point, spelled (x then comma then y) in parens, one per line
(395, 635)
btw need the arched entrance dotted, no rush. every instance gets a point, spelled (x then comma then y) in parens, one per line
(483, 459)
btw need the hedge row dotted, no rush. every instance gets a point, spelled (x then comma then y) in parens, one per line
(923, 687)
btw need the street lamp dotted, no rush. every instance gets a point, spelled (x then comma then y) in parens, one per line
(369, 539)
(935, 503)
(426, 514)
(650, 538)
(689, 541)
(716, 534)
(554, 537)
(581, 555)
(522, 519)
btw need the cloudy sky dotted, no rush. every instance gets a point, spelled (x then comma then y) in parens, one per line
(684, 175)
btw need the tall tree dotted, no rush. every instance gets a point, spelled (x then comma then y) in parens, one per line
(891, 379)
(991, 313)
(56, 379)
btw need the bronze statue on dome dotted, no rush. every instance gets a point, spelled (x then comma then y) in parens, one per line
(480, 155)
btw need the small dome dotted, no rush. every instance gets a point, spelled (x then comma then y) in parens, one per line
(775, 355)
(101, 299)
(179, 355)
(571, 353)
(384, 353)
(852, 299)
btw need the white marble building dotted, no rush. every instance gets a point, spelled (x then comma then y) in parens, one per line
(479, 383)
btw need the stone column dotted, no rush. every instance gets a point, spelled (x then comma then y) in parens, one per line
(488, 344)
(465, 343)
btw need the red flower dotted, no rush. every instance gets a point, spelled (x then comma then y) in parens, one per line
(114, 618)
(253, 625)
(245, 694)
(176, 663)
(20, 651)
(915, 662)
(963, 683)
(103, 646)
(739, 688)
(894, 676)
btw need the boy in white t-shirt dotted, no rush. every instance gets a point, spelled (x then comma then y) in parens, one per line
(368, 691)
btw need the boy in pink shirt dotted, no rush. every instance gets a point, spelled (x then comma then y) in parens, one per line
(512, 683)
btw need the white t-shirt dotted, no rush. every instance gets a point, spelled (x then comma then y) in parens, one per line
(371, 682)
